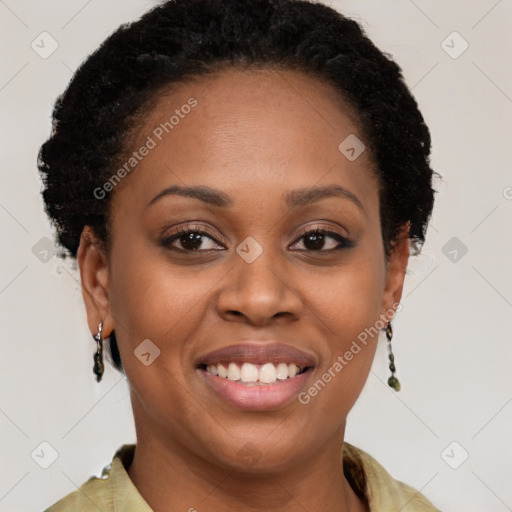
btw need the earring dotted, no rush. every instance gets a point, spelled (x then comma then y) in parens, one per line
(98, 367)
(393, 382)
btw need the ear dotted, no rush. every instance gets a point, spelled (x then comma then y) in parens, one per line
(395, 274)
(93, 265)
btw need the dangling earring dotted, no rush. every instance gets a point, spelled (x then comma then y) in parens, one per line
(393, 382)
(98, 367)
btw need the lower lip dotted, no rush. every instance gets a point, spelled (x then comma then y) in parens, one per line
(257, 397)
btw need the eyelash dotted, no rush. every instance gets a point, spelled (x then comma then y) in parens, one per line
(344, 243)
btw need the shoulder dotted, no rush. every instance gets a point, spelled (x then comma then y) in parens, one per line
(383, 492)
(92, 495)
(112, 491)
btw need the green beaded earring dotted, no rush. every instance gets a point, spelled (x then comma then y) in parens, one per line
(98, 367)
(393, 382)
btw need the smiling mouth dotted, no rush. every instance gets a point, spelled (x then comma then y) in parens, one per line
(255, 374)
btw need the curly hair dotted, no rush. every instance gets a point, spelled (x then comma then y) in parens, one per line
(95, 119)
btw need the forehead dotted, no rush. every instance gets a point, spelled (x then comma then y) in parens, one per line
(248, 128)
(255, 95)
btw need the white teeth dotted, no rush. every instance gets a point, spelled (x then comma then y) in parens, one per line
(282, 371)
(248, 373)
(222, 370)
(267, 373)
(233, 372)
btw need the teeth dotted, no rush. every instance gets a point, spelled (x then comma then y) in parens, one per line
(283, 372)
(248, 372)
(222, 370)
(268, 373)
(233, 372)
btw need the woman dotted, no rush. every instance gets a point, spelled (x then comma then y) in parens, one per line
(240, 183)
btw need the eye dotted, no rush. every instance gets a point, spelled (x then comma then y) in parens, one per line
(193, 238)
(315, 240)
(190, 239)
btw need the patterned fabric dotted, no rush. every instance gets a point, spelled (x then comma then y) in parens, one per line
(115, 492)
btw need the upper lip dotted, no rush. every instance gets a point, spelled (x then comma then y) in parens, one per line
(258, 353)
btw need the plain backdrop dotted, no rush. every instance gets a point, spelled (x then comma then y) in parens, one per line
(447, 433)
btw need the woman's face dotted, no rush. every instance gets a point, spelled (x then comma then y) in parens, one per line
(258, 144)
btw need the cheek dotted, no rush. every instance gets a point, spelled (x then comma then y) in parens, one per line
(349, 298)
(151, 299)
(348, 305)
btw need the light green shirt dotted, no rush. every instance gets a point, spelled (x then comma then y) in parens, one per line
(115, 492)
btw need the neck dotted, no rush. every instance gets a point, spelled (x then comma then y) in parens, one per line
(172, 478)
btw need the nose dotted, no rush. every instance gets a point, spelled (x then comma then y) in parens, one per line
(259, 292)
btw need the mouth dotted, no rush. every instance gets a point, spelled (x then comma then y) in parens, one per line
(254, 376)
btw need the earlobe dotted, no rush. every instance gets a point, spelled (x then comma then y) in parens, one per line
(92, 262)
(396, 268)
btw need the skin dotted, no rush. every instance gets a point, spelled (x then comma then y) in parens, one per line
(254, 135)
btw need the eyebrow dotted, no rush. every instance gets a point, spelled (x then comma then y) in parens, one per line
(294, 198)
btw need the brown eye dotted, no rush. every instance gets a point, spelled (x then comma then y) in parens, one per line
(316, 240)
(190, 239)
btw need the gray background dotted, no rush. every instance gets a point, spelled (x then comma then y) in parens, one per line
(447, 433)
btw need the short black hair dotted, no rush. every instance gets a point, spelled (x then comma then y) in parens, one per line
(112, 90)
